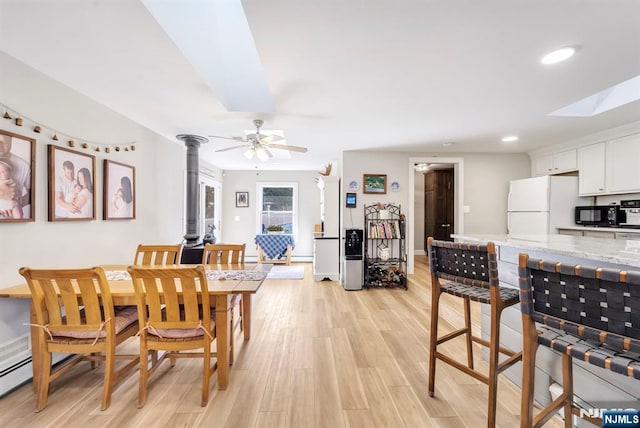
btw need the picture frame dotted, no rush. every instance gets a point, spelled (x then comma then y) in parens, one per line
(242, 199)
(119, 193)
(17, 178)
(374, 184)
(71, 179)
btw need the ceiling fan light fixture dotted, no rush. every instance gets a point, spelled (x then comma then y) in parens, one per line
(262, 154)
(250, 153)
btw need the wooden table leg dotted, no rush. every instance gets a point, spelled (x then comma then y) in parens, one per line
(246, 315)
(223, 335)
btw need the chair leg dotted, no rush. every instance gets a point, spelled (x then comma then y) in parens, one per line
(144, 375)
(109, 374)
(567, 387)
(206, 373)
(45, 378)
(433, 336)
(467, 325)
(493, 365)
(529, 350)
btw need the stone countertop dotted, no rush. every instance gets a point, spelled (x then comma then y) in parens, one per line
(600, 229)
(616, 251)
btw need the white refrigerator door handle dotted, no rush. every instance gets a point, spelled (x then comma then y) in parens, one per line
(509, 201)
(508, 222)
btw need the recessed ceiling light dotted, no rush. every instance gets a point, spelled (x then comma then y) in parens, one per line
(510, 139)
(558, 55)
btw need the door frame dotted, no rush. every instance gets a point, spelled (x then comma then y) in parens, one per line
(458, 199)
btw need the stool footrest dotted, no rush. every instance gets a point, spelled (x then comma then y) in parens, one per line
(451, 335)
(471, 372)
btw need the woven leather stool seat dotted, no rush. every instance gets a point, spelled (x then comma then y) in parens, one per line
(510, 296)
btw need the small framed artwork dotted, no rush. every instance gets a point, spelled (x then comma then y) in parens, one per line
(242, 199)
(374, 183)
(71, 185)
(17, 177)
(119, 196)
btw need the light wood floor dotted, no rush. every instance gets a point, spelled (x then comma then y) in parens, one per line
(319, 356)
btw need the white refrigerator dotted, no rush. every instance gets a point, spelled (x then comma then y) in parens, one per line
(538, 206)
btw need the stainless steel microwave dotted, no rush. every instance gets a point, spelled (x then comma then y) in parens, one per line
(599, 215)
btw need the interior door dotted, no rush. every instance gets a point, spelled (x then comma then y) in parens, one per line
(438, 204)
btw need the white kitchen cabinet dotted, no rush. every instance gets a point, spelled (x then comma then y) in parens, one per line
(591, 163)
(622, 165)
(556, 163)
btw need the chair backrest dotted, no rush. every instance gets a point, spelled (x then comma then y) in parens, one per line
(470, 264)
(169, 298)
(71, 301)
(583, 301)
(214, 254)
(158, 254)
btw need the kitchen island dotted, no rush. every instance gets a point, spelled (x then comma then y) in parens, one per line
(591, 384)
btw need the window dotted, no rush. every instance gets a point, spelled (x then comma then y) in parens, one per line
(277, 205)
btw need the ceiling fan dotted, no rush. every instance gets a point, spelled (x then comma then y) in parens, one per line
(258, 144)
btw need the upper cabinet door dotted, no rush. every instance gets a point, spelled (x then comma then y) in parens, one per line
(623, 164)
(556, 163)
(591, 179)
(565, 161)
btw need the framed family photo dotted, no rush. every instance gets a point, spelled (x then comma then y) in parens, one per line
(71, 185)
(17, 177)
(242, 199)
(374, 183)
(119, 191)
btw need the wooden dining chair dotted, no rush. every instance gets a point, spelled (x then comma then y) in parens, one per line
(227, 256)
(158, 254)
(173, 325)
(74, 314)
(223, 254)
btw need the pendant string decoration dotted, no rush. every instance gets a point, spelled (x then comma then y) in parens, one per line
(21, 120)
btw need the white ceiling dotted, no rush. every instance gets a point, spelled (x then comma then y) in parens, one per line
(404, 75)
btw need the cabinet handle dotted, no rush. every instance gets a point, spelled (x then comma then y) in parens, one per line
(600, 188)
(445, 225)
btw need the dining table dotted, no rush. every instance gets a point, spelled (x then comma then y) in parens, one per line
(223, 282)
(274, 248)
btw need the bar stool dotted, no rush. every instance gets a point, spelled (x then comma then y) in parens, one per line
(581, 312)
(469, 271)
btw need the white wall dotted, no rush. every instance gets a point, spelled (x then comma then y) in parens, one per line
(485, 187)
(159, 164)
(244, 229)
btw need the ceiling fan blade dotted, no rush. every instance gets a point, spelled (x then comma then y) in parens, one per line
(233, 147)
(268, 139)
(227, 138)
(287, 147)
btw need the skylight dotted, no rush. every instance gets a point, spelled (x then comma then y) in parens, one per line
(615, 96)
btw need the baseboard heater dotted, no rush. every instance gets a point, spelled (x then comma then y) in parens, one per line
(15, 364)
